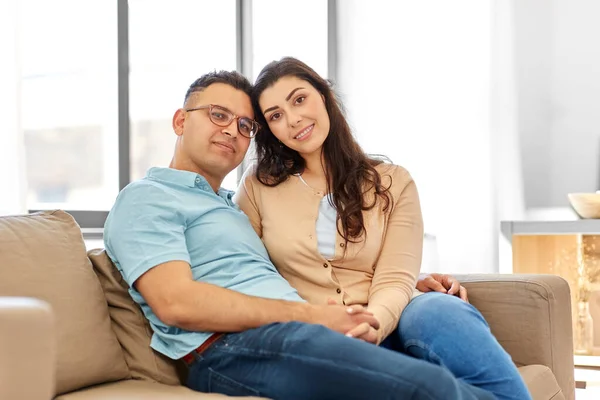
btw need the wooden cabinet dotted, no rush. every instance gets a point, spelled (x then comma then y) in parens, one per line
(570, 249)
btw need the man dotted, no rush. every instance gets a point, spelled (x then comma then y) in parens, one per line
(205, 282)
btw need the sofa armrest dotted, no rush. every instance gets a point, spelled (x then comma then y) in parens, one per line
(530, 315)
(27, 349)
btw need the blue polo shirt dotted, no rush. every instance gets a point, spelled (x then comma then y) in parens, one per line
(175, 215)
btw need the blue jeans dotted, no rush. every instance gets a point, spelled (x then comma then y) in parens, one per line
(447, 331)
(303, 361)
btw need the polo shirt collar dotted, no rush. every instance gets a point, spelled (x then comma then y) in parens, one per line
(176, 176)
(186, 178)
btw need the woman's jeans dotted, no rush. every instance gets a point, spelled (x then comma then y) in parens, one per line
(447, 331)
(303, 361)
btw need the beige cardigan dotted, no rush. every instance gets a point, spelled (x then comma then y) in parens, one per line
(379, 271)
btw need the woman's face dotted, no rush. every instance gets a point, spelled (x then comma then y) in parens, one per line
(296, 114)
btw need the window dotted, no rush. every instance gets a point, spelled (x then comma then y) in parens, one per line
(172, 44)
(68, 107)
(71, 83)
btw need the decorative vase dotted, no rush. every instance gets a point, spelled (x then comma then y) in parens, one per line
(584, 329)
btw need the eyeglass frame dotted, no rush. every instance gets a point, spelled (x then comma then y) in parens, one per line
(234, 116)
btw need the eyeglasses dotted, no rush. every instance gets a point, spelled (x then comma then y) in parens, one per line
(221, 116)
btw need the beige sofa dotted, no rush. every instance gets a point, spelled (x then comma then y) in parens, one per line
(69, 330)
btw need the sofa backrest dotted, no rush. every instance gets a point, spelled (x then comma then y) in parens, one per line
(43, 256)
(132, 328)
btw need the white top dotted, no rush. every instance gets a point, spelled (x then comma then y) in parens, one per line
(326, 226)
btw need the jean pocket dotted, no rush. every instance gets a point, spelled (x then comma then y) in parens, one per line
(218, 383)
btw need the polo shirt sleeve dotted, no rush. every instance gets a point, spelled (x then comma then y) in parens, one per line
(145, 228)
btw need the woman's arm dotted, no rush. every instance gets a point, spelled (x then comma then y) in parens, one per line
(399, 263)
(245, 199)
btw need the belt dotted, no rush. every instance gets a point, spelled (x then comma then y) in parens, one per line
(189, 358)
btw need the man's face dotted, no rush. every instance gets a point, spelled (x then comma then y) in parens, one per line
(209, 148)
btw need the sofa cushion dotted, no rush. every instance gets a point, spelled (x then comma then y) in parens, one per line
(541, 382)
(140, 390)
(132, 327)
(43, 255)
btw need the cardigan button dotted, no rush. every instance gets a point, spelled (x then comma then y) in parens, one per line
(325, 265)
(338, 290)
(342, 244)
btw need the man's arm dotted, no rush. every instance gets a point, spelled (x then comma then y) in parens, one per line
(178, 300)
(145, 236)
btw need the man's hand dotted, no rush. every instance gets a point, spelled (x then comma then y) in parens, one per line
(444, 284)
(363, 331)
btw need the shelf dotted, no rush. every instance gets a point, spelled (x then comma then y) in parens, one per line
(581, 226)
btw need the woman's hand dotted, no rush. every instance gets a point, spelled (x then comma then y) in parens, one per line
(364, 332)
(444, 284)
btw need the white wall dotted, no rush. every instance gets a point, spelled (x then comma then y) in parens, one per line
(575, 97)
(12, 167)
(558, 69)
(415, 79)
(507, 168)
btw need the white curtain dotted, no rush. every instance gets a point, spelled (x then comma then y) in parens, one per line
(430, 84)
(12, 166)
(508, 173)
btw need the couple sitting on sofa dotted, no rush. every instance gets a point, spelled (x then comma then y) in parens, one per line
(324, 305)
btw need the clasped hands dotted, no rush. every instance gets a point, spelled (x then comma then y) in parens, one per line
(361, 323)
(366, 324)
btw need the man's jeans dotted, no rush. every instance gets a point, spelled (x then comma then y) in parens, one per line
(445, 330)
(303, 361)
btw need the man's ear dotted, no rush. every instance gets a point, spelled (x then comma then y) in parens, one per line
(178, 120)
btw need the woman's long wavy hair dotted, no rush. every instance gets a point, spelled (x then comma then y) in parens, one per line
(349, 172)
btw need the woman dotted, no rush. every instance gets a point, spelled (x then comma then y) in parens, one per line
(343, 227)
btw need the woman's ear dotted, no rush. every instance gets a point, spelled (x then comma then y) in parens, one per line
(323, 97)
(178, 120)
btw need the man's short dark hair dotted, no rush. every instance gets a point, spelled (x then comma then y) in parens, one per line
(231, 78)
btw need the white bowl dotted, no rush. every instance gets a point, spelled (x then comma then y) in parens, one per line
(587, 205)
